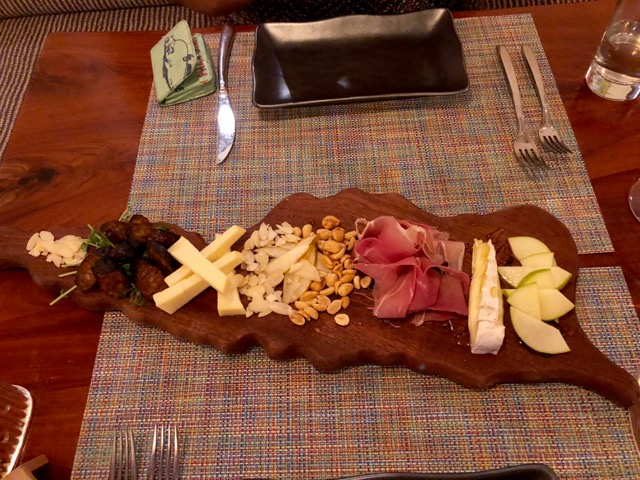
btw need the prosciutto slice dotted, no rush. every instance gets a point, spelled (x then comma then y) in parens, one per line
(416, 268)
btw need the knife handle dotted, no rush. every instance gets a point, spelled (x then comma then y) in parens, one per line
(226, 42)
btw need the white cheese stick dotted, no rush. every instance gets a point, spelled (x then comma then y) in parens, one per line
(187, 254)
(179, 294)
(229, 302)
(212, 252)
(486, 327)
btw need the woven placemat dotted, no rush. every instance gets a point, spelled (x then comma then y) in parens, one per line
(447, 154)
(246, 416)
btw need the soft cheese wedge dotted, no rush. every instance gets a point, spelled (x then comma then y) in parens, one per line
(486, 327)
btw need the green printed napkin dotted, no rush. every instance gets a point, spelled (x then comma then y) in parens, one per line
(182, 67)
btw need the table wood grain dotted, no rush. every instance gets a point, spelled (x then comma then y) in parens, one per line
(72, 154)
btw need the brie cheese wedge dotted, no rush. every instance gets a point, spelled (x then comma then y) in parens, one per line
(486, 326)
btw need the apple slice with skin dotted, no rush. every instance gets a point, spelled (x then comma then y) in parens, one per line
(524, 246)
(540, 260)
(538, 335)
(507, 291)
(526, 299)
(542, 278)
(514, 275)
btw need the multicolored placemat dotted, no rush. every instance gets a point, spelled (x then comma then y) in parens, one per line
(246, 416)
(447, 154)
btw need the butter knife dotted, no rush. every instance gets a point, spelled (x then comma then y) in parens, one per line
(226, 118)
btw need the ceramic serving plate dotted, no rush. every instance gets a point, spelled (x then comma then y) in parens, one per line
(357, 58)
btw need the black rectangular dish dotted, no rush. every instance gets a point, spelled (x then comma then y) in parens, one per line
(357, 58)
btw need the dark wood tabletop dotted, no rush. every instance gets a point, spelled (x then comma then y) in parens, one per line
(72, 154)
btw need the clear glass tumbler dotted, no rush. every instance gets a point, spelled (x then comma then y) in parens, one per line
(615, 70)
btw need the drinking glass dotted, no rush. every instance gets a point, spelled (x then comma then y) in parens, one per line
(634, 199)
(614, 73)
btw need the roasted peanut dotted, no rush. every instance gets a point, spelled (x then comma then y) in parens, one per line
(312, 312)
(323, 234)
(308, 296)
(338, 234)
(331, 246)
(339, 254)
(334, 307)
(329, 222)
(323, 300)
(331, 279)
(307, 230)
(300, 305)
(327, 291)
(326, 262)
(345, 289)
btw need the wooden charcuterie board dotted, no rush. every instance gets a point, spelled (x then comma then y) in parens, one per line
(437, 348)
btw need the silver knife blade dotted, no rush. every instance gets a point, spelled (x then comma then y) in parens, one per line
(226, 118)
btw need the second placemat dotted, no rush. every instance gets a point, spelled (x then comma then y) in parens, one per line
(448, 154)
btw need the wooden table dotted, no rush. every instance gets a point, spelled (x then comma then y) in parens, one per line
(72, 154)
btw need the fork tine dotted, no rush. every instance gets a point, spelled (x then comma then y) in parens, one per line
(114, 456)
(535, 156)
(161, 455)
(163, 461)
(549, 144)
(131, 456)
(123, 456)
(174, 454)
(531, 157)
(152, 456)
(557, 145)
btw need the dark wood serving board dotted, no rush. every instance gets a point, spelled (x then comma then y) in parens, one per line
(433, 348)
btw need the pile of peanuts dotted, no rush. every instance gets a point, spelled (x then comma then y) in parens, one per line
(338, 276)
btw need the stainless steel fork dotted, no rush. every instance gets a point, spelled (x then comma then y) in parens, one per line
(123, 456)
(163, 460)
(523, 146)
(547, 133)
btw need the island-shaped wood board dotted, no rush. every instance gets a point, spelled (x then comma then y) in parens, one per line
(437, 348)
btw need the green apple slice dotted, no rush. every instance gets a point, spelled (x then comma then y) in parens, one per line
(540, 260)
(512, 276)
(538, 335)
(542, 278)
(560, 277)
(507, 291)
(523, 246)
(526, 299)
(553, 304)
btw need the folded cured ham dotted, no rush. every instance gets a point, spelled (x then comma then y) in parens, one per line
(416, 268)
